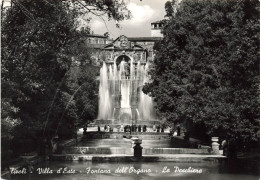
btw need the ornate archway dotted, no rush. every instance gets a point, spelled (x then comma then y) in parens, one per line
(123, 57)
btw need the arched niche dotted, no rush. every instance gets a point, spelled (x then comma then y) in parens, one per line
(120, 58)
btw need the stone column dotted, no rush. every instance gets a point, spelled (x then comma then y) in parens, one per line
(215, 145)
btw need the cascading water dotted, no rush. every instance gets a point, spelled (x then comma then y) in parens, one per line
(105, 108)
(145, 106)
(118, 90)
(111, 79)
(125, 112)
(125, 94)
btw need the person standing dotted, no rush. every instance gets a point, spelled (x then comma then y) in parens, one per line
(154, 127)
(144, 128)
(178, 130)
(122, 129)
(224, 147)
(158, 128)
(139, 128)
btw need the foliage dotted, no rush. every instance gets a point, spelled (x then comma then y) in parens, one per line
(206, 68)
(169, 9)
(84, 78)
(33, 59)
(42, 47)
(113, 9)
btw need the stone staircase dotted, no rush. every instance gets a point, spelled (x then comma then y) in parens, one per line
(121, 135)
(152, 145)
(116, 147)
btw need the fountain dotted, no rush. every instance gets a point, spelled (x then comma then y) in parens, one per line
(121, 99)
(104, 94)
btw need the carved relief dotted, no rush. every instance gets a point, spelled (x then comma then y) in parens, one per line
(123, 42)
(122, 46)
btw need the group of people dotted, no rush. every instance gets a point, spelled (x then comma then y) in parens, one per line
(127, 128)
(158, 128)
(106, 128)
(132, 128)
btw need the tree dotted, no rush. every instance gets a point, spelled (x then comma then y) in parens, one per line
(41, 42)
(113, 9)
(206, 69)
(169, 9)
(8, 123)
(86, 98)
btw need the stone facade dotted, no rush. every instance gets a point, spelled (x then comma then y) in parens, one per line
(131, 51)
(138, 47)
(125, 71)
(156, 28)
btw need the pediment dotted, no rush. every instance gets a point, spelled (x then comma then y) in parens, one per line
(123, 43)
(137, 46)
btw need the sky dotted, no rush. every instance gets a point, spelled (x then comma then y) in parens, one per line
(143, 13)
